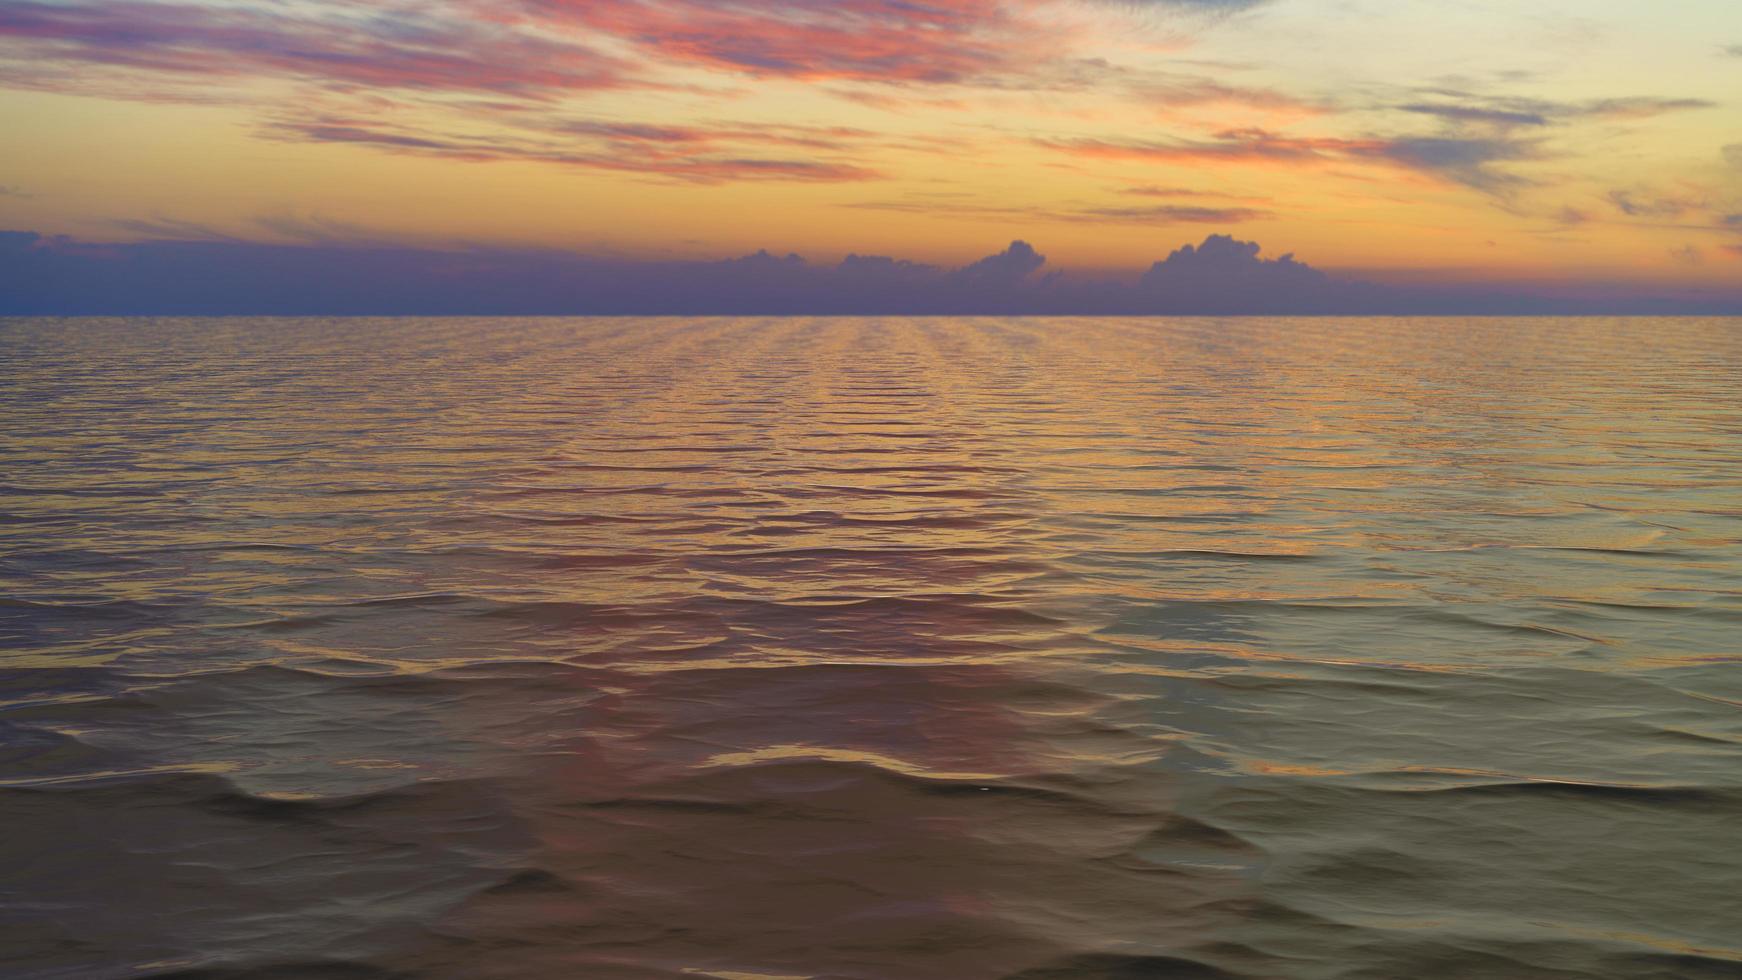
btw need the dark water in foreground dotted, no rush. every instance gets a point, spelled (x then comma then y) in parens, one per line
(871, 649)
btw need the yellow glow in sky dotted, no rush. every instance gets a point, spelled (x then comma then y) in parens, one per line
(1555, 140)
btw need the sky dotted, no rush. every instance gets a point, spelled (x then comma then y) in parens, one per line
(1554, 147)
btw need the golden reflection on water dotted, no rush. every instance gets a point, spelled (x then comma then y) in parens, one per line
(902, 648)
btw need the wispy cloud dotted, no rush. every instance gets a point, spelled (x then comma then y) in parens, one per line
(630, 134)
(171, 230)
(1468, 161)
(684, 163)
(1248, 146)
(1151, 190)
(1477, 114)
(523, 80)
(1461, 107)
(1178, 92)
(1213, 6)
(317, 229)
(1479, 134)
(1172, 214)
(1637, 204)
(445, 78)
(538, 48)
(868, 40)
(1155, 216)
(434, 48)
(1638, 107)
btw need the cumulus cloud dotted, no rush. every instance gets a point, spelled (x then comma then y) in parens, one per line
(1012, 265)
(1225, 273)
(1223, 256)
(884, 269)
(186, 273)
(1221, 275)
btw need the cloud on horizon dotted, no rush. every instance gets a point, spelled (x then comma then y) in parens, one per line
(333, 276)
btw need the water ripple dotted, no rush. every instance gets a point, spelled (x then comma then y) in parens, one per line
(870, 649)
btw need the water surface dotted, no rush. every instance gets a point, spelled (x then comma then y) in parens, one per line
(871, 649)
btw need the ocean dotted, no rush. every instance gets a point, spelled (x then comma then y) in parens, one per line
(871, 649)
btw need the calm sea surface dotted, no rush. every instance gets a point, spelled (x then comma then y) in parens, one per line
(871, 649)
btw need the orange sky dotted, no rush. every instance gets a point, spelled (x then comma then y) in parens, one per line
(1546, 141)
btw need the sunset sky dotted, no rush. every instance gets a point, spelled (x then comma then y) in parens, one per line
(1454, 140)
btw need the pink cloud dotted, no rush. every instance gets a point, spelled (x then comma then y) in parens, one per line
(390, 49)
(857, 40)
